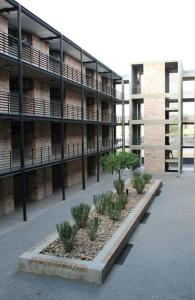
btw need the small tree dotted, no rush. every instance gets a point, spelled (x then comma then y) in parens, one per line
(118, 161)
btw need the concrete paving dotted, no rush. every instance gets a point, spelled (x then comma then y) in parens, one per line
(161, 264)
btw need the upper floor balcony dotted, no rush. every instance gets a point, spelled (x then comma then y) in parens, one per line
(35, 157)
(30, 55)
(47, 108)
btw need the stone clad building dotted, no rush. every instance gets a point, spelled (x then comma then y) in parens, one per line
(57, 110)
(161, 116)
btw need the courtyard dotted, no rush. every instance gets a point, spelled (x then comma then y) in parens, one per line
(160, 264)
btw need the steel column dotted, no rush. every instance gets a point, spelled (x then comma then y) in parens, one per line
(21, 113)
(83, 127)
(97, 126)
(62, 114)
(123, 115)
(112, 113)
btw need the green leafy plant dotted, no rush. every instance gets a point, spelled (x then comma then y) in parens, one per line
(137, 173)
(92, 228)
(147, 177)
(101, 201)
(119, 185)
(138, 183)
(114, 211)
(80, 214)
(67, 234)
(118, 161)
(123, 200)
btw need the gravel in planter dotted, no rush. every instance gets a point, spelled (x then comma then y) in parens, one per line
(85, 249)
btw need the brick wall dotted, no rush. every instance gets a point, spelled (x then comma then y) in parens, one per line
(73, 134)
(154, 115)
(5, 142)
(4, 87)
(154, 160)
(41, 93)
(3, 24)
(40, 184)
(6, 196)
(73, 173)
(71, 61)
(43, 46)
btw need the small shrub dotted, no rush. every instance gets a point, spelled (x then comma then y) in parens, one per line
(122, 199)
(92, 228)
(98, 201)
(138, 183)
(80, 214)
(101, 202)
(108, 197)
(119, 186)
(114, 211)
(147, 177)
(67, 234)
(137, 173)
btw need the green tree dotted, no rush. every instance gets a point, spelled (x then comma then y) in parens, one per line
(118, 161)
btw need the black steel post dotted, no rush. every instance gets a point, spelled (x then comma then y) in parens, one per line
(112, 112)
(83, 127)
(62, 114)
(21, 113)
(123, 114)
(97, 127)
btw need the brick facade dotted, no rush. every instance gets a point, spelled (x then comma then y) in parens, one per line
(6, 196)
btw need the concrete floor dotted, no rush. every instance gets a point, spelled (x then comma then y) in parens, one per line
(161, 264)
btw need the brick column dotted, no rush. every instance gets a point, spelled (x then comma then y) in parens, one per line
(6, 196)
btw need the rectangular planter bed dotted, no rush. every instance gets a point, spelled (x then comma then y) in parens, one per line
(97, 269)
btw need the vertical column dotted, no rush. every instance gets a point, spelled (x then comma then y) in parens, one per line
(83, 128)
(194, 124)
(62, 114)
(97, 127)
(123, 114)
(21, 113)
(130, 110)
(180, 98)
(112, 113)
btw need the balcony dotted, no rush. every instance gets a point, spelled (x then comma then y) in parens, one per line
(33, 56)
(106, 117)
(90, 114)
(10, 160)
(188, 141)
(136, 90)
(187, 118)
(119, 119)
(138, 141)
(137, 116)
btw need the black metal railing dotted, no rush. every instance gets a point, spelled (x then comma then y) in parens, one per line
(45, 107)
(9, 103)
(33, 56)
(136, 90)
(90, 114)
(106, 116)
(34, 157)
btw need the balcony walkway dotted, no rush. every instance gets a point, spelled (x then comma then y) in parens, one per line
(161, 264)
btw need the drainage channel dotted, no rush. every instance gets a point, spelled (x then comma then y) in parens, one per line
(123, 255)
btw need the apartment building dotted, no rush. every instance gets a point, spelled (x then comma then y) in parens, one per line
(161, 115)
(57, 110)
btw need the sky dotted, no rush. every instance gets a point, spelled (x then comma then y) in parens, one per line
(119, 32)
